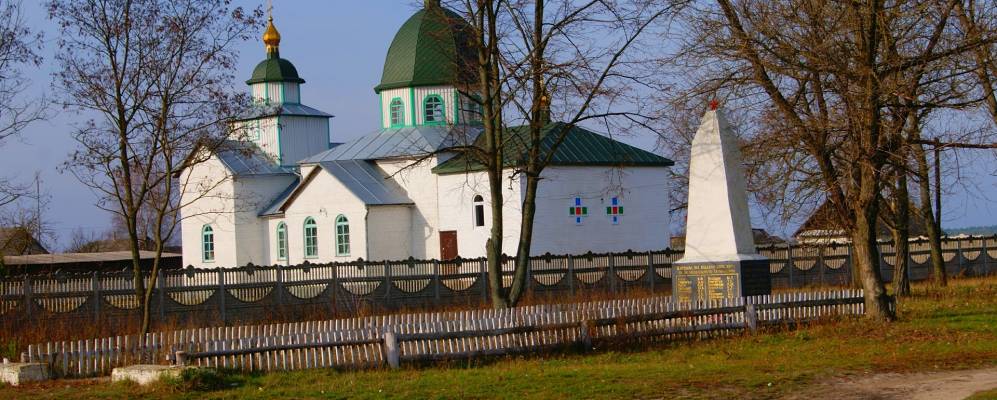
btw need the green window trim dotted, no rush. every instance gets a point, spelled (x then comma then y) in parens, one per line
(207, 244)
(282, 242)
(398, 105)
(310, 231)
(439, 114)
(411, 101)
(342, 236)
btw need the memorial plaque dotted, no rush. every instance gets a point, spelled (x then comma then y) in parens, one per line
(716, 281)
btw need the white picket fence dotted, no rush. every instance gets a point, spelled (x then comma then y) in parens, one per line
(391, 339)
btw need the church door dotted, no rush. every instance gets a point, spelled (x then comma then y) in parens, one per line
(448, 245)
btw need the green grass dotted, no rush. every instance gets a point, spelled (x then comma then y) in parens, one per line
(938, 329)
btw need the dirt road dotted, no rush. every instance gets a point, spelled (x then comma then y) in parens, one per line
(948, 385)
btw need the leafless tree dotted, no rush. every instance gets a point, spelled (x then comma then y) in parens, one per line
(829, 87)
(19, 46)
(158, 76)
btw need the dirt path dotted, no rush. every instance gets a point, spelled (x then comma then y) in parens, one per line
(948, 385)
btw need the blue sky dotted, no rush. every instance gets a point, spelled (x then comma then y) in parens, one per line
(338, 47)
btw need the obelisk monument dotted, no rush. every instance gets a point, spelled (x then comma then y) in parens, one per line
(720, 258)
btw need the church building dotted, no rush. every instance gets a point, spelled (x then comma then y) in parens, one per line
(281, 192)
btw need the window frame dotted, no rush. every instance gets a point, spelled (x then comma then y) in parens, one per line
(401, 112)
(442, 110)
(478, 211)
(342, 246)
(282, 243)
(310, 223)
(207, 231)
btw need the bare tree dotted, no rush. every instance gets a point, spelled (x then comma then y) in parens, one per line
(19, 46)
(158, 75)
(829, 87)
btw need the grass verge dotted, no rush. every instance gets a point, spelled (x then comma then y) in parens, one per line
(950, 328)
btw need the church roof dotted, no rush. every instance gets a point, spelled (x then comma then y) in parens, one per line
(275, 69)
(245, 159)
(400, 142)
(580, 147)
(287, 109)
(429, 49)
(366, 182)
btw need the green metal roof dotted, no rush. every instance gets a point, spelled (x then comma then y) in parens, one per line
(429, 49)
(275, 69)
(580, 147)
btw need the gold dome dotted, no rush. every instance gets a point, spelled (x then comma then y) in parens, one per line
(271, 37)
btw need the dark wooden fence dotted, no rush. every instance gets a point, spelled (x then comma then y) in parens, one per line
(250, 293)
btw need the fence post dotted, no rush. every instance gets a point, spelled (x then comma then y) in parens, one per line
(181, 358)
(436, 282)
(612, 273)
(387, 283)
(958, 245)
(28, 301)
(484, 280)
(161, 288)
(221, 294)
(750, 315)
(280, 284)
(986, 257)
(95, 285)
(789, 263)
(391, 348)
(820, 264)
(585, 334)
(571, 274)
(650, 271)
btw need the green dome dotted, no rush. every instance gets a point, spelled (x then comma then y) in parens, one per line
(275, 69)
(424, 51)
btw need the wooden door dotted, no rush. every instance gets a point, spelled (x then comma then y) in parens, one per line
(448, 245)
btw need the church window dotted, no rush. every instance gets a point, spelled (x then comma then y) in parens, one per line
(397, 111)
(311, 238)
(578, 211)
(207, 244)
(479, 211)
(282, 241)
(433, 106)
(615, 211)
(342, 236)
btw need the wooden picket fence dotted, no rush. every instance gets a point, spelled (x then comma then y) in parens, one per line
(369, 342)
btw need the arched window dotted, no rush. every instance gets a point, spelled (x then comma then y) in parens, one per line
(342, 236)
(311, 238)
(396, 110)
(282, 241)
(207, 244)
(433, 110)
(479, 211)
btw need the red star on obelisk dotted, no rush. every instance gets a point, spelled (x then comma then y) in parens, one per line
(714, 104)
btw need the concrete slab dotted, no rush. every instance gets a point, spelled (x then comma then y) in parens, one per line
(18, 373)
(144, 374)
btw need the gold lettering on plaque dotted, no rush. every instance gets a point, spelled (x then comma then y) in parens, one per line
(712, 282)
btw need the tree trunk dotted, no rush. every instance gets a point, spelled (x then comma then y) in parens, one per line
(519, 282)
(939, 275)
(901, 233)
(866, 262)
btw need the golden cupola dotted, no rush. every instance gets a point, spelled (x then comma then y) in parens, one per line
(271, 38)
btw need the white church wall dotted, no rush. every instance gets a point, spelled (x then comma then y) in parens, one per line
(207, 196)
(390, 228)
(276, 92)
(456, 196)
(420, 185)
(252, 194)
(323, 199)
(642, 192)
(302, 137)
(263, 132)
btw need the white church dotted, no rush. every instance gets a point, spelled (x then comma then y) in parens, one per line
(281, 192)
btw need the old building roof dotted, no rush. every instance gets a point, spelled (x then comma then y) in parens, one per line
(19, 241)
(580, 147)
(430, 48)
(401, 142)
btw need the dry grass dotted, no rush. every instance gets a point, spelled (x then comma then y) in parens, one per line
(950, 328)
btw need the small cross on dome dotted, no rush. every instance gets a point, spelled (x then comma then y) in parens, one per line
(714, 104)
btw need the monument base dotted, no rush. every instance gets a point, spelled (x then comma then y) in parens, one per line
(717, 280)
